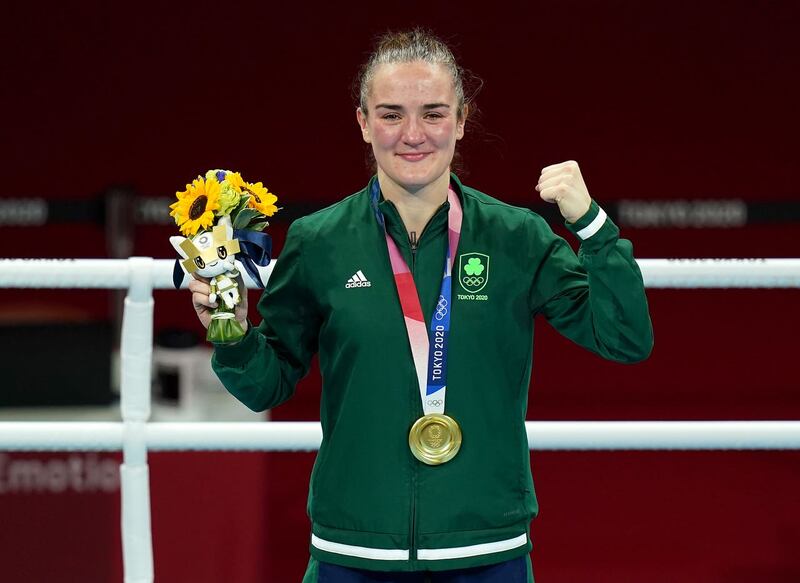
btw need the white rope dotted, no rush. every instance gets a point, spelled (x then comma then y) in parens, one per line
(306, 436)
(657, 273)
(720, 273)
(93, 273)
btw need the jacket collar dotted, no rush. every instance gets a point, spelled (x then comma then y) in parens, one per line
(394, 224)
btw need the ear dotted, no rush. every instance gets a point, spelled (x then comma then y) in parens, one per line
(176, 243)
(361, 117)
(462, 122)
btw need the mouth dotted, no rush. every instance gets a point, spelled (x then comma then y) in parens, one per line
(415, 156)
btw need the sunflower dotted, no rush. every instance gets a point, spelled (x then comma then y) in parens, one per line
(261, 199)
(235, 180)
(196, 205)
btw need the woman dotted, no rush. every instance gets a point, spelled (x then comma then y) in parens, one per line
(412, 286)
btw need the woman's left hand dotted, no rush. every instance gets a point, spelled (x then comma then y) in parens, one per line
(563, 184)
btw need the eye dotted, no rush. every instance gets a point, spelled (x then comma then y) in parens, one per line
(391, 117)
(435, 115)
(222, 252)
(198, 261)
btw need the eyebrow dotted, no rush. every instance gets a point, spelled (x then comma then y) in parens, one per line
(400, 107)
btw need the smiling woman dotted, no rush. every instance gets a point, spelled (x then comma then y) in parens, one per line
(412, 111)
(415, 482)
(413, 127)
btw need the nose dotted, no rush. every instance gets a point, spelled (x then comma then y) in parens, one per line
(413, 132)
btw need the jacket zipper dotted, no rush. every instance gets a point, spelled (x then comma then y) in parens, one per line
(414, 243)
(412, 549)
(412, 239)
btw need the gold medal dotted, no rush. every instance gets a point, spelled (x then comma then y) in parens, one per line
(435, 439)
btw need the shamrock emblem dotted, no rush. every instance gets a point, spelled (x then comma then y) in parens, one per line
(473, 266)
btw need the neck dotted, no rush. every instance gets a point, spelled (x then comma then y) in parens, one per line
(416, 207)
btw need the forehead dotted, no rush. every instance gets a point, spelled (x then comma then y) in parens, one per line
(408, 83)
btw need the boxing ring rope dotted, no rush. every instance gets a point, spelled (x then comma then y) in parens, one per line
(135, 436)
(306, 436)
(657, 273)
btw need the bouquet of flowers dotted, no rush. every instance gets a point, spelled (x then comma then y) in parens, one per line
(223, 218)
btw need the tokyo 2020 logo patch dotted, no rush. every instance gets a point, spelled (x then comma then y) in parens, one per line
(473, 271)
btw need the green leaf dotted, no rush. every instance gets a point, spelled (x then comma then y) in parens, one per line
(243, 200)
(244, 217)
(258, 225)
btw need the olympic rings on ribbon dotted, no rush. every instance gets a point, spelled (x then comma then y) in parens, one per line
(441, 308)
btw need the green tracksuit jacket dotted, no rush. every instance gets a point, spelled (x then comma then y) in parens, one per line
(372, 504)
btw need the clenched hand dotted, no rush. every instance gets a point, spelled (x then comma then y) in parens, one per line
(200, 289)
(563, 185)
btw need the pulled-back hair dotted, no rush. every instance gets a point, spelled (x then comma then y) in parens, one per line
(407, 47)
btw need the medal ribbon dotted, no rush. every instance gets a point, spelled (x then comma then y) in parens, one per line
(433, 378)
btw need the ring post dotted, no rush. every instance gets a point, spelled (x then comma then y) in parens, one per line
(136, 353)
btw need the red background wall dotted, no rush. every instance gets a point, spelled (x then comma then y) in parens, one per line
(664, 100)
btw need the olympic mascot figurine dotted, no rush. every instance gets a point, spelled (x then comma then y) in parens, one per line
(211, 255)
(223, 217)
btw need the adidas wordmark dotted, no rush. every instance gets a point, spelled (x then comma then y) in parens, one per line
(358, 280)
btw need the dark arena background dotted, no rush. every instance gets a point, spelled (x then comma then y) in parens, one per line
(684, 119)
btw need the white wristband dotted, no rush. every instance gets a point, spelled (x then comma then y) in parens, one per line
(594, 226)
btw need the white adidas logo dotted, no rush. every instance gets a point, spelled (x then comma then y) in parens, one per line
(358, 280)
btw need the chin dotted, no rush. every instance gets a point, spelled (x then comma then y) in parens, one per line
(417, 180)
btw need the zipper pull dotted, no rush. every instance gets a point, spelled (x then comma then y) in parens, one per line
(412, 238)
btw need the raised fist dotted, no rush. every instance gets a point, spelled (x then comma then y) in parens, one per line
(563, 185)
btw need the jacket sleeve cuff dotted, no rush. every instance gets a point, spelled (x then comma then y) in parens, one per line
(236, 355)
(589, 224)
(595, 230)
